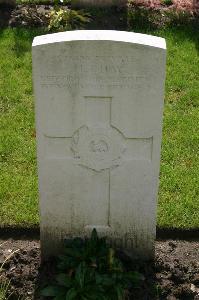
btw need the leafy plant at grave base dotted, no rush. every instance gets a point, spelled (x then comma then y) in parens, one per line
(90, 270)
(61, 19)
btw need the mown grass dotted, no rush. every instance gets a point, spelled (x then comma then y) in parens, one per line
(18, 181)
(179, 189)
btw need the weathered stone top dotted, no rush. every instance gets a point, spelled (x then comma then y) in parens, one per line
(100, 35)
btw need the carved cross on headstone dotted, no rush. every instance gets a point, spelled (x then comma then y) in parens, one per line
(99, 103)
(101, 147)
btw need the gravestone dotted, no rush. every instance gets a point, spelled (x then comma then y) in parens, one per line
(98, 3)
(99, 102)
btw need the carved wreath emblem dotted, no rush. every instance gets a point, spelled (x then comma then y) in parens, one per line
(97, 148)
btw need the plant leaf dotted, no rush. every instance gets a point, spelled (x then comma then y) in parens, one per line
(71, 295)
(135, 278)
(120, 292)
(63, 297)
(64, 280)
(53, 291)
(104, 280)
(80, 274)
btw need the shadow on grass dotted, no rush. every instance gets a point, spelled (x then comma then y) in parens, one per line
(186, 31)
(33, 232)
(22, 38)
(181, 25)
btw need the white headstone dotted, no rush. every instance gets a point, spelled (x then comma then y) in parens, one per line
(99, 102)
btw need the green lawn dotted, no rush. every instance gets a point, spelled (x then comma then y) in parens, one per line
(179, 180)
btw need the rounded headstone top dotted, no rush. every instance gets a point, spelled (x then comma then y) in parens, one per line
(101, 35)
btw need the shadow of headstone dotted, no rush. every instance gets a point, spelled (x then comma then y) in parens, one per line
(107, 18)
(5, 14)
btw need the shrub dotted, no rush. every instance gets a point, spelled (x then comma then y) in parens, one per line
(61, 19)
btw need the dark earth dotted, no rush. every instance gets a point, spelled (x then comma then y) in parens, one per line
(173, 275)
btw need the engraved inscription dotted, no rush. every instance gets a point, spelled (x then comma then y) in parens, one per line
(94, 80)
(93, 71)
(97, 64)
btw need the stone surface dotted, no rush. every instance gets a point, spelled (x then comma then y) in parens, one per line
(98, 3)
(99, 102)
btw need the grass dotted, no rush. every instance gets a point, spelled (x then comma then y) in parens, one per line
(179, 191)
(4, 290)
(18, 181)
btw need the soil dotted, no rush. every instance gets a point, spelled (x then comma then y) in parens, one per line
(173, 275)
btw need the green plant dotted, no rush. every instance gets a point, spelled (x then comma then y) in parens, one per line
(180, 18)
(66, 19)
(167, 2)
(90, 270)
(4, 287)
